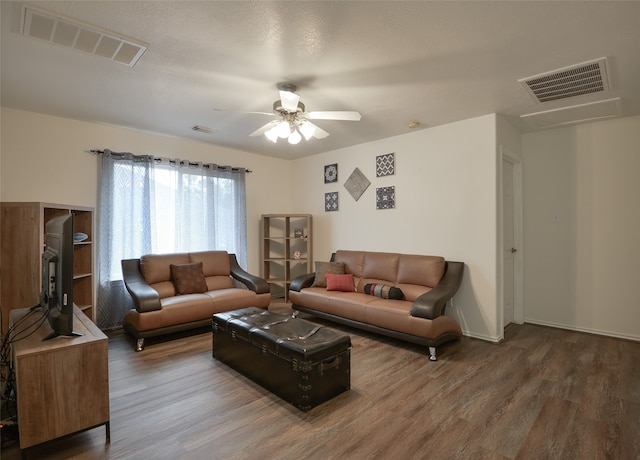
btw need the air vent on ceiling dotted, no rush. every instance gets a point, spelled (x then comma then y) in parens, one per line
(575, 114)
(87, 38)
(586, 78)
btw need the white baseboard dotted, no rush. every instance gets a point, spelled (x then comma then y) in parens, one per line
(486, 338)
(584, 329)
(557, 326)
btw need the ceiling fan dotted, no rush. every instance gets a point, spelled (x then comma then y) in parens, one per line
(293, 122)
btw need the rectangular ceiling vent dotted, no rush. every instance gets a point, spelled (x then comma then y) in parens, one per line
(586, 78)
(87, 38)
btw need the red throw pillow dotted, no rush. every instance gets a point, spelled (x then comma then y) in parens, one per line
(340, 282)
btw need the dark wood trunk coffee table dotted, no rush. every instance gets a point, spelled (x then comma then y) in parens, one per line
(301, 362)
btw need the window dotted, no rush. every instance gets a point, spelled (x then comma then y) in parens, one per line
(159, 206)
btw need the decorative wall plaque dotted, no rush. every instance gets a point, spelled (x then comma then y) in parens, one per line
(331, 201)
(331, 173)
(356, 184)
(386, 165)
(385, 197)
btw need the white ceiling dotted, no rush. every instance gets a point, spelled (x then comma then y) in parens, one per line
(393, 61)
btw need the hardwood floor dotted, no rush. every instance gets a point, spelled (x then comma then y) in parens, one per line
(542, 393)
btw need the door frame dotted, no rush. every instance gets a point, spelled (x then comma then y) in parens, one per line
(518, 239)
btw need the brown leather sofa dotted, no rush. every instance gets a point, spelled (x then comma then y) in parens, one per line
(177, 292)
(423, 286)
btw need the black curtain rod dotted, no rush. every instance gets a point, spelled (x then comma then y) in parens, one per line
(186, 162)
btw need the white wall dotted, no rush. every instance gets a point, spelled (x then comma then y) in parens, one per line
(37, 148)
(581, 272)
(445, 205)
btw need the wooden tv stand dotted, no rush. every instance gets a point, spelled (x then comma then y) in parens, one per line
(62, 384)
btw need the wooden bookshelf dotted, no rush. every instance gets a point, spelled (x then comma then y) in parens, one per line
(23, 226)
(286, 250)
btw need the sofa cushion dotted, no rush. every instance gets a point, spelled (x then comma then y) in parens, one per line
(412, 291)
(381, 265)
(216, 268)
(164, 288)
(421, 270)
(353, 261)
(384, 291)
(219, 282)
(155, 267)
(336, 282)
(322, 268)
(214, 263)
(188, 278)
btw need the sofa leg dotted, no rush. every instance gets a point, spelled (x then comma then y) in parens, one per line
(432, 354)
(139, 344)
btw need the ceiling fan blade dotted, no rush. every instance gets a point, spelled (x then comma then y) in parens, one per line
(263, 129)
(319, 133)
(240, 111)
(335, 115)
(289, 101)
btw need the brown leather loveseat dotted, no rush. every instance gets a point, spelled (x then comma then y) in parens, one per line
(176, 292)
(397, 295)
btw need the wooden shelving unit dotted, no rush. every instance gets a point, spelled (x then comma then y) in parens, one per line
(286, 250)
(23, 227)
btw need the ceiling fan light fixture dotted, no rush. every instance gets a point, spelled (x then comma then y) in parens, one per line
(293, 121)
(294, 137)
(283, 129)
(272, 134)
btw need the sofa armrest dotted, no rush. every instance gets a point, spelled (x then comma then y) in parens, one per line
(302, 281)
(145, 298)
(432, 304)
(254, 283)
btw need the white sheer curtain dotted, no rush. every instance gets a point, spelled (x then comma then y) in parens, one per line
(151, 205)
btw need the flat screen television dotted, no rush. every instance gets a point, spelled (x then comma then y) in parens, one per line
(57, 276)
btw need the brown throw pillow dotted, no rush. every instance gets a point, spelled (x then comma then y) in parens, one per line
(322, 268)
(188, 278)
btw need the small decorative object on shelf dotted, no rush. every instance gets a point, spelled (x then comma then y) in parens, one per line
(298, 233)
(79, 237)
(297, 255)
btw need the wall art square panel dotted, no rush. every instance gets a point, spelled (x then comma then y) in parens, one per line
(331, 201)
(385, 197)
(386, 165)
(331, 173)
(357, 184)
